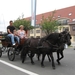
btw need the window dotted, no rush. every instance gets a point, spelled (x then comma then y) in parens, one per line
(68, 21)
(63, 28)
(37, 36)
(73, 19)
(70, 14)
(60, 22)
(73, 28)
(66, 28)
(32, 36)
(37, 31)
(58, 16)
(31, 31)
(74, 38)
(63, 22)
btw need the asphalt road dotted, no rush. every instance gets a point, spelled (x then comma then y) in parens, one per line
(15, 67)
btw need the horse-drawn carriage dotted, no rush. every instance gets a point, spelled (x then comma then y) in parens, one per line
(47, 45)
(54, 42)
(6, 46)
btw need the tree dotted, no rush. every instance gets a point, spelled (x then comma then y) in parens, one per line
(24, 22)
(49, 24)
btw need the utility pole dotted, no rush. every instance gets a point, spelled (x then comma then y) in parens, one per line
(33, 15)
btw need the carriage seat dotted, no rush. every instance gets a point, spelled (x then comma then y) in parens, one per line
(7, 41)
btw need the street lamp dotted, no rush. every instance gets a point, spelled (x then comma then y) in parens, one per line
(33, 14)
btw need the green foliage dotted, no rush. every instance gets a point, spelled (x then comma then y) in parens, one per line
(25, 23)
(49, 24)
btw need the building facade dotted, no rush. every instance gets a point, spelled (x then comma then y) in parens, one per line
(65, 16)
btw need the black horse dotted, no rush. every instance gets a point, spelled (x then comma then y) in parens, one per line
(54, 40)
(30, 49)
(61, 46)
(67, 41)
(35, 45)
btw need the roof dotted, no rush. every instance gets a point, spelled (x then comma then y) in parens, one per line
(68, 12)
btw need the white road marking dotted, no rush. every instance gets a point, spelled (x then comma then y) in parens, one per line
(18, 68)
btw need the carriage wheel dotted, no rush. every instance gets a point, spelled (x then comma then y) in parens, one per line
(11, 54)
(0, 52)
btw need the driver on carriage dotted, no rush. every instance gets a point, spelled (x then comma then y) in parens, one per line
(10, 30)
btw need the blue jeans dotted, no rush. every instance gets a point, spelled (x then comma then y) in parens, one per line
(12, 38)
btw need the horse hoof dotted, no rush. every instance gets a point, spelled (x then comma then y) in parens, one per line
(33, 63)
(42, 66)
(58, 62)
(54, 68)
(22, 61)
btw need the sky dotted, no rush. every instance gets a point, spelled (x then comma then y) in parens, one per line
(12, 9)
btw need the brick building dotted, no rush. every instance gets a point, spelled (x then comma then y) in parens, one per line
(65, 16)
